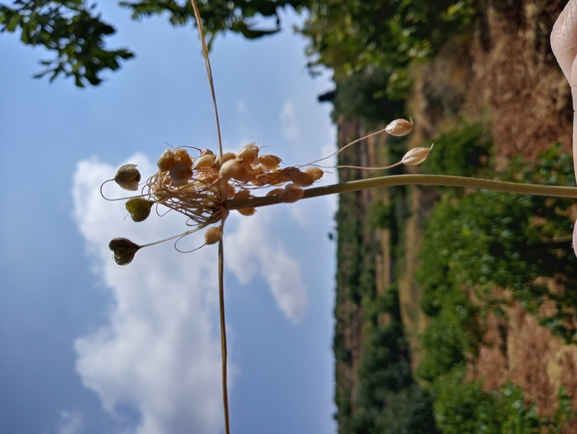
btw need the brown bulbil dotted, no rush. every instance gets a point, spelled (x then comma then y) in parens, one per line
(213, 235)
(314, 172)
(183, 156)
(269, 161)
(166, 160)
(205, 161)
(180, 173)
(291, 193)
(248, 153)
(236, 169)
(245, 194)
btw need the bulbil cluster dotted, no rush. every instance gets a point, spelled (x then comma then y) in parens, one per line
(198, 186)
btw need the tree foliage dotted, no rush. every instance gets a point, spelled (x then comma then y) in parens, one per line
(352, 35)
(75, 32)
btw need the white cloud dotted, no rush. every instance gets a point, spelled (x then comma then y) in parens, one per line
(289, 125)
(251, 249)
(70, 423)
(160, 351)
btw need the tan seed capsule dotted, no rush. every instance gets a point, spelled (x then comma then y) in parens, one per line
(269, 161)
(275, 192)
(213, 235)
(416, 156)
(205, 161)
(128, 177)
(166, 160)
(314, 172)
(399, 127)
(228, 156)
(301, 179)
(183, 156)
(245, 194)
(236, 169)
(291, 193)
(248, 153)
(180, 173)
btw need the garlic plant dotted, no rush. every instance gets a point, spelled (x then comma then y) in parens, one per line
(206, 186)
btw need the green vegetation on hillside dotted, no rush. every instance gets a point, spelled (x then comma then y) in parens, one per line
(474, 244)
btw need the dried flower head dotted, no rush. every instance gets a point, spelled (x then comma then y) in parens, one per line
(198, 186)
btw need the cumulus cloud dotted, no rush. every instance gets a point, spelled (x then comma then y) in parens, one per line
(251, 250)
(160, 351)
(289, 126)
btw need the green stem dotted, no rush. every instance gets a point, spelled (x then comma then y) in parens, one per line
(393, 180)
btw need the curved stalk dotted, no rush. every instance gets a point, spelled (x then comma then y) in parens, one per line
(394, 180)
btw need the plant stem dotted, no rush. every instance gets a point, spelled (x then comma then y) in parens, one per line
(393, 180)
(223, 334)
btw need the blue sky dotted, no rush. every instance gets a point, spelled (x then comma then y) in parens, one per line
(90, 347)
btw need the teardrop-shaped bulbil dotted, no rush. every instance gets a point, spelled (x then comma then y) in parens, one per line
(123, 249)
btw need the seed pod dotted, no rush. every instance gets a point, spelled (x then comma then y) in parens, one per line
(300, 178)
(291, 193)
(124, 250)
(166, 160)
(399, 127)
(213, 235)
(269, 161)
(244, 194)
(183, 156)
(139, 208)
(248, 153)
(228, 156)
(180, 173)
(205, 161)
(275, 192)
(416, 156)
(128, 177)
(236, 169)
(314, 172)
